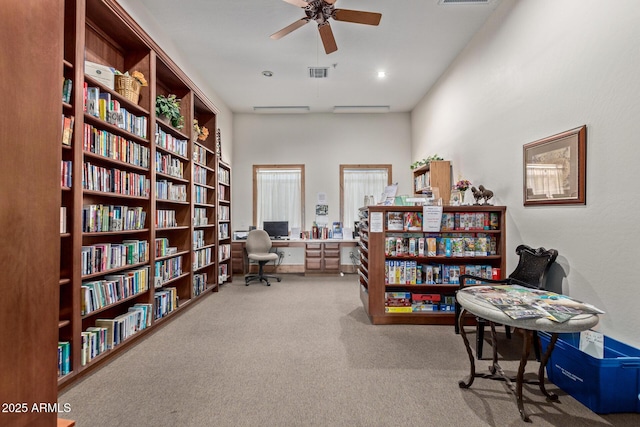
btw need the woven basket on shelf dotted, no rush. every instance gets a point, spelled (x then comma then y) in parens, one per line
(128, 87)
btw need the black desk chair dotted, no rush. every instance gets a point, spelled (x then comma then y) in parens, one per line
(531, 272)
(258, 248)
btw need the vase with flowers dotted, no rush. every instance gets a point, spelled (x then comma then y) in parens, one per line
(463, 185)
(199, 132)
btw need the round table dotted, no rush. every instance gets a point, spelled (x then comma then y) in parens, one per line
(494, 315)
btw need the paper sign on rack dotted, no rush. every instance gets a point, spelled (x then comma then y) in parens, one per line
(431, 218)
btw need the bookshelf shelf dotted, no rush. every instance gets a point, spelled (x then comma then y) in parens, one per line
(101, 32)
(383, 286)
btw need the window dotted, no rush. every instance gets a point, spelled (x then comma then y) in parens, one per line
(278, 194)
(357, 181)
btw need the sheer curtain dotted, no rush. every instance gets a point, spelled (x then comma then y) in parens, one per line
(545, 179)
(279, 196)
(357, 184)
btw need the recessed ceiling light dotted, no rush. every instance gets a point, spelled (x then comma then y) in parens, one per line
(267, 73)
(382, 74)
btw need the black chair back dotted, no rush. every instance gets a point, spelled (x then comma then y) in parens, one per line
(533, 266)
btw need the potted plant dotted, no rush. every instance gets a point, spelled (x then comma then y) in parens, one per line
(169, 107)
(419, 163)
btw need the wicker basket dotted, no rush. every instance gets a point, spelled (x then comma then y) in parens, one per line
(128, 87)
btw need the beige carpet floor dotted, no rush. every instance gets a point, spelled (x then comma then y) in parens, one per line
(303, 353)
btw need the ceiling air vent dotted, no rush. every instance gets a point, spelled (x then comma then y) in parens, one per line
(318, 72)
(464, 1)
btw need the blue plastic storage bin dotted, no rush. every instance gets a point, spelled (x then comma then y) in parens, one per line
(607, 385)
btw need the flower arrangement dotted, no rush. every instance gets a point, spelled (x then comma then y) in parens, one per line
(201, 131)
(462, 185)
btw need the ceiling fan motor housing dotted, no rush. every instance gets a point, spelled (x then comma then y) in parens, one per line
(319, 10)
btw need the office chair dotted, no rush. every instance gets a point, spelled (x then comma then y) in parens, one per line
(258, 247)
(531, 272)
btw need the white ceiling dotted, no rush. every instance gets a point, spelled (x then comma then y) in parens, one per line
(227, 42)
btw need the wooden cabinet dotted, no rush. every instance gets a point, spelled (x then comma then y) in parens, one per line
(322, 257)
(393, 267)
(142, 212)
(436, 173)
(238, 258)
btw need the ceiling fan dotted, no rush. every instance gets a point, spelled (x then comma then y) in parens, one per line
(320, 11)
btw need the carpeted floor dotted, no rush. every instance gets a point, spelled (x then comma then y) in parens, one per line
(303, 353)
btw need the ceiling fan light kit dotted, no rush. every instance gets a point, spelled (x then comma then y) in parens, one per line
(321, 11)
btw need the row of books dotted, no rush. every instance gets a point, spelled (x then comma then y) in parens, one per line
(67, 129)
(115, 147)
(103, 218)
(66, 169)
(167, 190)
(199, 283)
(165, 302)
(200, 154)
(413, 273)
(99, 104)
(64, 358)
(200, 194)
(224, 213)
(200, 216)
(67, 90)
(448, 245)
(202, 258)
(163, 248)
(107, 256)
(223, 192)
(224, 176)
(223, 272)
(198, 239)
(200, 175)
(171, 143)
(166, 218)
(109, 333)
(112, 180)
(63, 219)
(410, 302)
(166, 270)
(98, 294)
(167, 164)
(451, 221)
(224, 251)
(223, 231)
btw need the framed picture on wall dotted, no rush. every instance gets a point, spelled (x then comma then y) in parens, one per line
(554, 169)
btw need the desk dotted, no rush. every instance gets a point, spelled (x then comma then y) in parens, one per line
(485, 310)
(311, 256)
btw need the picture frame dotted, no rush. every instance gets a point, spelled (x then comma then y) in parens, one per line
(554, 169)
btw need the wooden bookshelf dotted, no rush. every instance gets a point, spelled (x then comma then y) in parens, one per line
(158, 163)
(225, 268)
(373, 277)
(436, 173)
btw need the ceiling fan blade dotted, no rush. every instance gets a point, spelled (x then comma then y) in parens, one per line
(289, 28)
(299, 3)
(357, 16)
(326, 34)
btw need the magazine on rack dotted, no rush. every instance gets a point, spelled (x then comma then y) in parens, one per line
(519, 302)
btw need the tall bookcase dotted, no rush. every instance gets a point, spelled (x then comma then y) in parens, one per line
(225, 269)
(141, 204)
(383, 247)
(436, 173)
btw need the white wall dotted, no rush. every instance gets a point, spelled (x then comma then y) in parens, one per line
(321, 142)
(537, 68)
(224, 118)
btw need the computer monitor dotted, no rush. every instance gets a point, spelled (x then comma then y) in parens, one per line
(276, 229)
